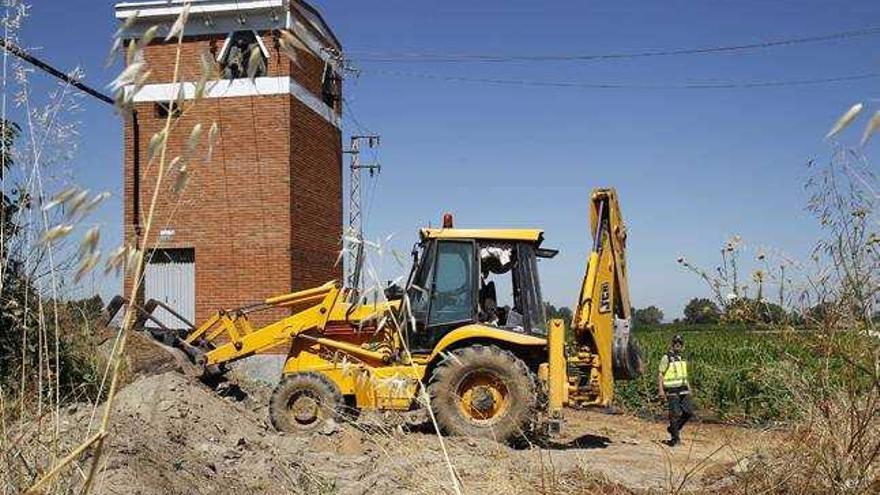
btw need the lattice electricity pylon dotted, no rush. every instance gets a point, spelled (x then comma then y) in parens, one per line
(355, 248)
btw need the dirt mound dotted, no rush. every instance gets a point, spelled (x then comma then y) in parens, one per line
(170, 435)
(173, 434)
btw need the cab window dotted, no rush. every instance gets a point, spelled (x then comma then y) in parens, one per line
(453, 286)
(537, 319)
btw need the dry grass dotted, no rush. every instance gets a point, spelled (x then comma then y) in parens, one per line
(69, 208)
(75, 465)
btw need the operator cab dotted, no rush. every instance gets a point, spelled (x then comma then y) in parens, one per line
(475, 276)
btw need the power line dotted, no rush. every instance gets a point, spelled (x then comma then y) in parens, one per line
(614, 85)
(392, 57)
(27, 57)
(348, 112)
(21, 53)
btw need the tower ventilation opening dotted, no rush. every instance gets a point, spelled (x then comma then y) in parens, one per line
(236, 59)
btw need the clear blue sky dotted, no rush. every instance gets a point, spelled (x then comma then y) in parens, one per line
(692, 166)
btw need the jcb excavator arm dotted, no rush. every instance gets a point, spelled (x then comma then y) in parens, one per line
(601, 324)
(608, 252)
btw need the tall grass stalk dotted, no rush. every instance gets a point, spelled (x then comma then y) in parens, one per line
(397, 324)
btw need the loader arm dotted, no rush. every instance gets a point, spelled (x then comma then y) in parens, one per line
(600, 325)
(228, 335)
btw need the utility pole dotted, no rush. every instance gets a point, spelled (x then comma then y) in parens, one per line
(355, 219)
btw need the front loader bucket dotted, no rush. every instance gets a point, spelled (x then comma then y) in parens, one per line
(172, 337)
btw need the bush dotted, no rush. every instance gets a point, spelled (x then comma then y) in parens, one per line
(21, 332)
(28, 320)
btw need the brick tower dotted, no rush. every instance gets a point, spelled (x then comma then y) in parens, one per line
(263, 215)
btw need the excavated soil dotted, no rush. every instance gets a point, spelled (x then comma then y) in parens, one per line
(173, 434)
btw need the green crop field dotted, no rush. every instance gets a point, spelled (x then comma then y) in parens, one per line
(737, 373)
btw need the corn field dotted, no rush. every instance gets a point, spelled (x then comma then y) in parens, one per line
(738, 374)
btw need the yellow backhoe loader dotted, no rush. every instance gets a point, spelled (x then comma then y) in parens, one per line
(467, 336)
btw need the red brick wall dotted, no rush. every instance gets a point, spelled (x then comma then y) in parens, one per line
(316, 197)
(235, 209)
(264, 215)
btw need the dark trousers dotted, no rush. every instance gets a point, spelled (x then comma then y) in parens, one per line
(681, 409)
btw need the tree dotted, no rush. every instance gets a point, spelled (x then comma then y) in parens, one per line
(700, 310)
(14, 287)
(650, 316)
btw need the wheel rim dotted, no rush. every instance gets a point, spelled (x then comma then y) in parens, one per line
(484, 398)
(304, 409)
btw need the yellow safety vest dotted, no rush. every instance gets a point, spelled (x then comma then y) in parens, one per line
(676, 374)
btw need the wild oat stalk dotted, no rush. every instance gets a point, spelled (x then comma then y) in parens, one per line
(35, 256)
(131, 77)
(177, 30)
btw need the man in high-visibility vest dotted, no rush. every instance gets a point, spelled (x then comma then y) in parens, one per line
(674, 387)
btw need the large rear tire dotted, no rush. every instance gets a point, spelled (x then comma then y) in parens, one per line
(484, 391)
(303, 402)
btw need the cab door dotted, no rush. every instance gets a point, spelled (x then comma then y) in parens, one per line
(449, 300)
(528, 290)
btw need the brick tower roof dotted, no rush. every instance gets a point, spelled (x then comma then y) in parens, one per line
(211, 16)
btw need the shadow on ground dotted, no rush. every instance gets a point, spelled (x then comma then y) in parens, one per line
(587, 441)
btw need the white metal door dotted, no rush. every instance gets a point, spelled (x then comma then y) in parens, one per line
(170, 277)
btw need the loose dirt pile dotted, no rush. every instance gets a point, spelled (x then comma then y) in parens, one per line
(173, 434)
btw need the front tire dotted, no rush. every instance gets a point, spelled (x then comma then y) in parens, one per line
(483, 391)
(302, 402)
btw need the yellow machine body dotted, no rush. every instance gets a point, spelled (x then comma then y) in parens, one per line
(362, 348)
